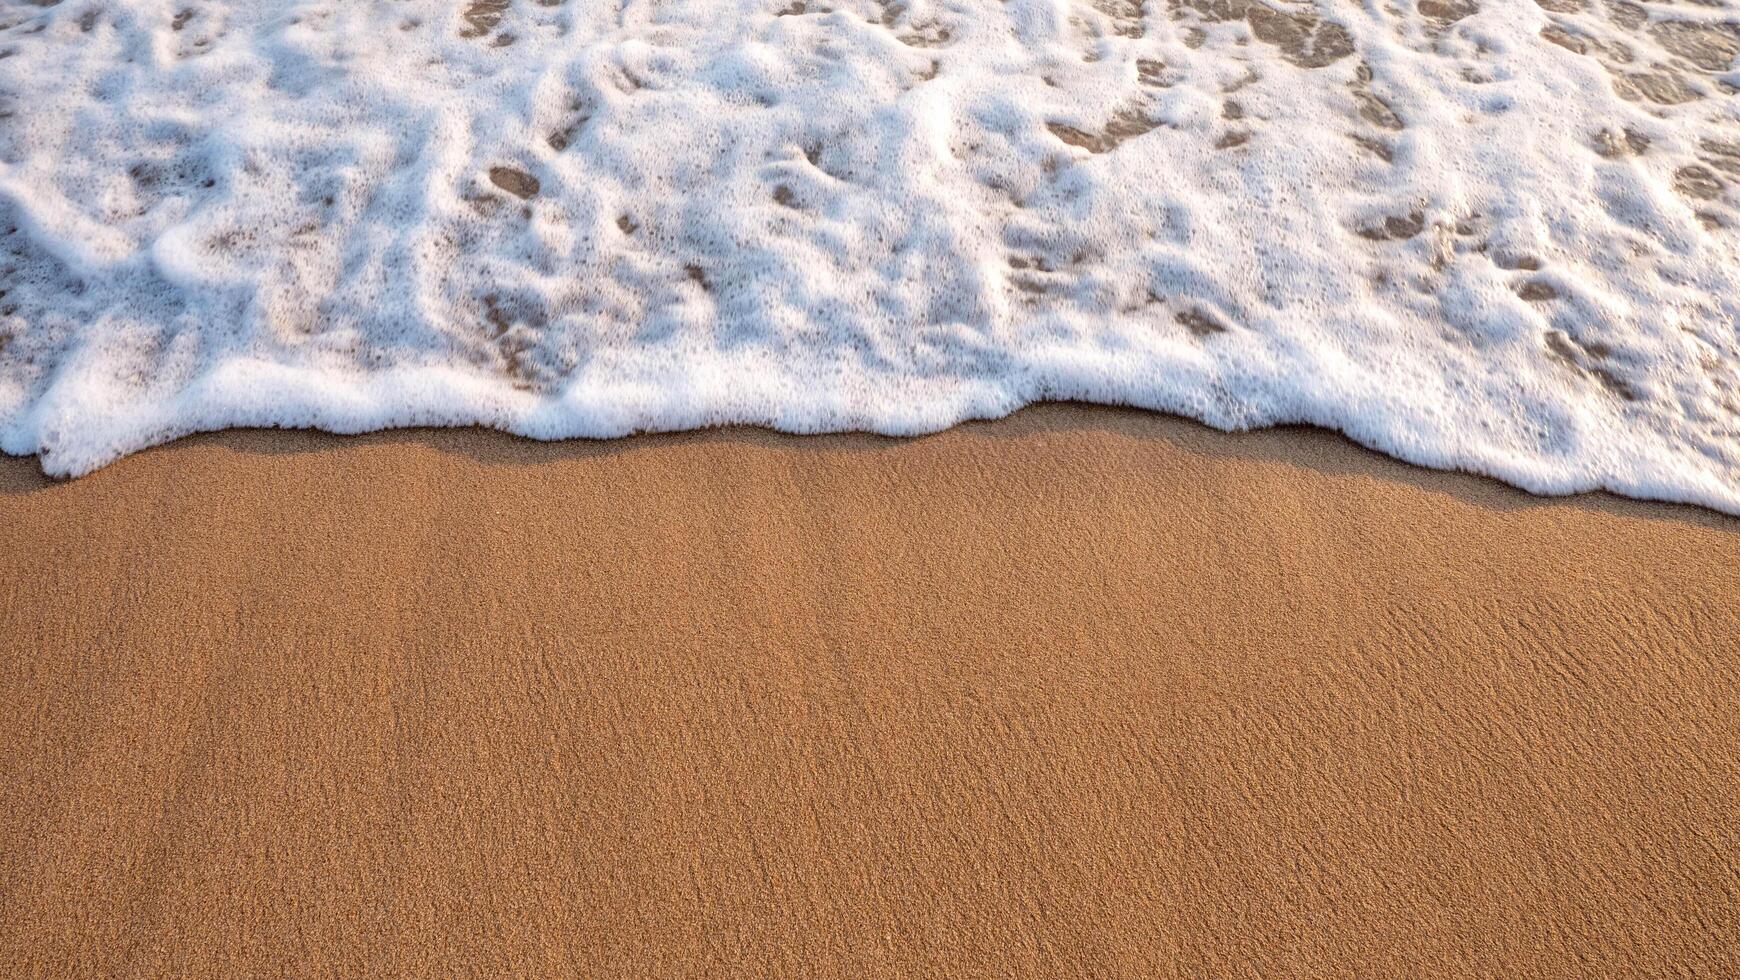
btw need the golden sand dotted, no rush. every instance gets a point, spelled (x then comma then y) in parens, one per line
(1084, 692)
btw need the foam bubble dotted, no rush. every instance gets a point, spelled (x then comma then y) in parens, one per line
(1495, 235)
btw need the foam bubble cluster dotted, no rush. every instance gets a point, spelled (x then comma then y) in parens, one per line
(1495, 235)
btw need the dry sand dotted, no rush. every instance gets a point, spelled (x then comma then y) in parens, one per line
(1084, 692)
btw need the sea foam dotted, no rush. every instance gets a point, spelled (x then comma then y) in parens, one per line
(1494, 235)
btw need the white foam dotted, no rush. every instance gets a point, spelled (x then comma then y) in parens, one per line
(1452, 236)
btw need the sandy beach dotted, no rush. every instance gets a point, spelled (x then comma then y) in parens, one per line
(1083, 692)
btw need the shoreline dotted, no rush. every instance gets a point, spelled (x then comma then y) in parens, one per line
(1083, 691)
(257, 438)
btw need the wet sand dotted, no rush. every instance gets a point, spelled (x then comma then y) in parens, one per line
(1085, 692)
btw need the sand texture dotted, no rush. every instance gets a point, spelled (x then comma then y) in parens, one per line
(1084, 692)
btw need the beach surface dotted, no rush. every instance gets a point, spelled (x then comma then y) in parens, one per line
(1082, 692)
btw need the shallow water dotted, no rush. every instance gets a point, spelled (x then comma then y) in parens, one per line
(1501, 236)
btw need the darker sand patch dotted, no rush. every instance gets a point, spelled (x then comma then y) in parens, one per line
(482, 16)
(1659, 87)
(516, 182)
(1200, 323)
(1698, 182)
(1536, 291)
(1395, 228)
(1711, 47)
(1124, 125)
